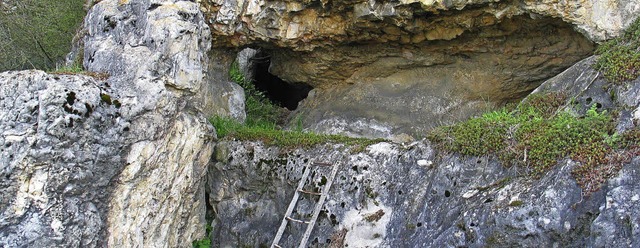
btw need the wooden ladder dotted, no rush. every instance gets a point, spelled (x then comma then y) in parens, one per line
(310, 223)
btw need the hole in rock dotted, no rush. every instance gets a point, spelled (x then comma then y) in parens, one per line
(285, 94)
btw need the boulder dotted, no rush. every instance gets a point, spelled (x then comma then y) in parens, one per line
(120, 159)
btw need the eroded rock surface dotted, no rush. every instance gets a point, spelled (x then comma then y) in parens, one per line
(117, 161)
(382, 90)
(61, 147)
(303, 25)
(395, 196)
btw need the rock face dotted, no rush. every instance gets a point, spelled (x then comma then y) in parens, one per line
(383, 90)
(61, 147)
(388, 68)
(117, 161)
(409, 196)
(414, 196)
(303, 25)
(124, 160)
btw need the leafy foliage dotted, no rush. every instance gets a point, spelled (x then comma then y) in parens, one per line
(620, 58)
(536, 134)
(37, 33)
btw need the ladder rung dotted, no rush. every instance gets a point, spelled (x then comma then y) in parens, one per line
(322, 164)
(276, 245)
(310, 192)
(295, 220)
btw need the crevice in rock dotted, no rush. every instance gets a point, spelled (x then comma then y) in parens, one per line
(283, 93)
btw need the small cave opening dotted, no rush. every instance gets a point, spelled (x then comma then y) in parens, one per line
(280, 92)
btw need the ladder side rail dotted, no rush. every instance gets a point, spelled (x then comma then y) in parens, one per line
(318, 208)
(292, 205)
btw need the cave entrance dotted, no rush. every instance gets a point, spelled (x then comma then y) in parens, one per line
(280, 92)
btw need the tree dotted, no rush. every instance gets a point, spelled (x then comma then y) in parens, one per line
(37, 34)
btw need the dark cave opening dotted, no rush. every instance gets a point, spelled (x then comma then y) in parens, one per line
(282, 93)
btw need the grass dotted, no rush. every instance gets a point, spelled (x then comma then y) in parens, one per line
(260, 111)
(78, 70)
(619, 58)
(536, 134)
(272, 135)
(264, 120)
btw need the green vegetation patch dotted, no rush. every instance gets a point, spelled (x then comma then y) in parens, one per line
(78, 70)
(536, 135)
(260, 110)
(264, 120)
(205, 242)
(273, 135)
(620, 58)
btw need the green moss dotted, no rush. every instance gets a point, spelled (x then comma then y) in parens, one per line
(271, 135)
(106, 98)
(78, 70)
(537, 134)
(619, 58)
(410, 226)
(516, 203)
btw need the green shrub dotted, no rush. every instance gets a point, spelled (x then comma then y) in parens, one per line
(619, 58)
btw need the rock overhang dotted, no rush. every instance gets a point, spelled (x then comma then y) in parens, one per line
(442, 60)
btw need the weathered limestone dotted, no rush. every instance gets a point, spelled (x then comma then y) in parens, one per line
(383, 90)
(303, 25)
(156, 53)
(61, 145)
(411, 196)
(116, 162)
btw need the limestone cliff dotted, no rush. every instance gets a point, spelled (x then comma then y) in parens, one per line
(120, 157)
